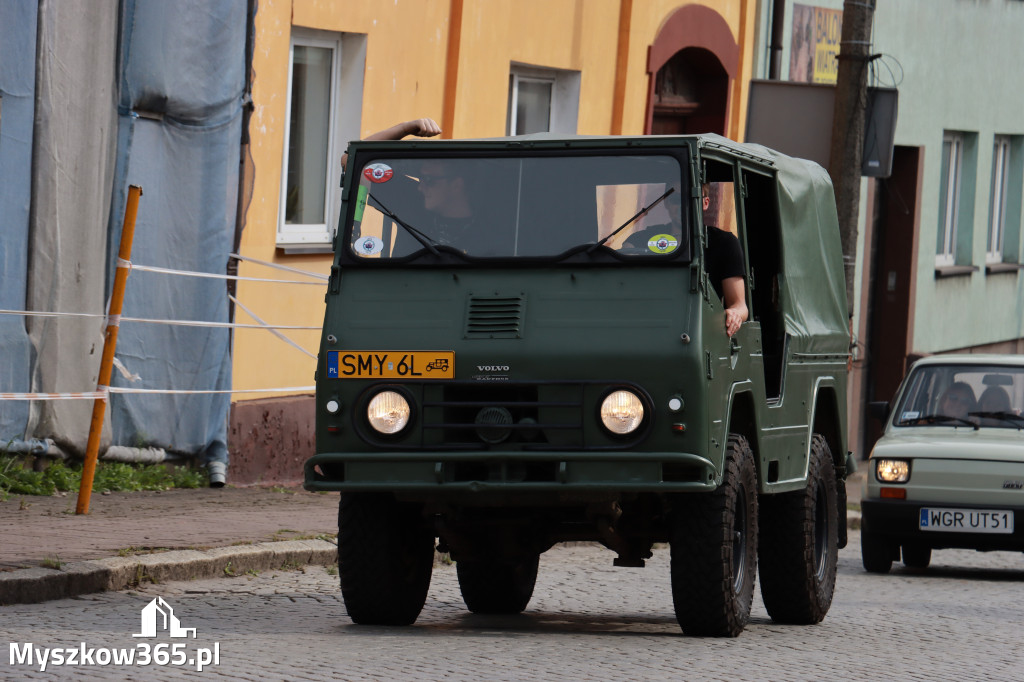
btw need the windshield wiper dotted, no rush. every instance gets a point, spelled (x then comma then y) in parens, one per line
(1000, 414)
(629, 222)
(420, 236)
(933, 418)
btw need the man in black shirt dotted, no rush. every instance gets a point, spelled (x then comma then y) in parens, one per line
(723, 259)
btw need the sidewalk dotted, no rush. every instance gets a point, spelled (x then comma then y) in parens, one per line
(157, 536)
(49, 552)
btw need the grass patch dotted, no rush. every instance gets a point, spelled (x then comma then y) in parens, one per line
(60, 476)
(52, 562)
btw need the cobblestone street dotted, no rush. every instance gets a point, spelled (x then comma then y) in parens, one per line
(959, 621)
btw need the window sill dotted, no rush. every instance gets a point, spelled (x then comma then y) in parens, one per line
(996, 268)
(954, 270)
(298, 249)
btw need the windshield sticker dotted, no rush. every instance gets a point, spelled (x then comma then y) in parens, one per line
(907, 416)
(663, 243)
(360, 204)
(369, 246)
(378, 172)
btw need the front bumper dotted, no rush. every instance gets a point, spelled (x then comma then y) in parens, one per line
(897, 521)
(440, 473)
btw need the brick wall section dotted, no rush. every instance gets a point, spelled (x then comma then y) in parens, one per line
(270, 440)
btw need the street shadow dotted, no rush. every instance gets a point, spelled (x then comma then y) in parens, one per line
(975, 573)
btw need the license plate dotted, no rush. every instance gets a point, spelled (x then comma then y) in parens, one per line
(966, 520)
(389, 364)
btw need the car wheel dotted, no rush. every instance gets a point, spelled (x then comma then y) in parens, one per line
(876, 554)
(490, 586)
(385, 558)
(714, 549)
(916, 556)
(798, 548)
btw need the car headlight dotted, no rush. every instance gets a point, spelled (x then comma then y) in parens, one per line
(892, 470)
(388, 412)
(622, 412)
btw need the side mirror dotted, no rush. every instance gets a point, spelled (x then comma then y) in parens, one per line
(879, 409)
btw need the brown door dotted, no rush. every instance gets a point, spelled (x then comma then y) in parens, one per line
(890, 306)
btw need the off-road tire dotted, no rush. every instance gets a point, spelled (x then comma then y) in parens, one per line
(876, 554)
(385, 558)
(917, 556)
(493, 586)
(798, 548)
(714, 549)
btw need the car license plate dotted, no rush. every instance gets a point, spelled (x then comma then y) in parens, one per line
(966, 520)
(389, 364)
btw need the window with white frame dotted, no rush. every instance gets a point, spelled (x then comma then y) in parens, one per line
(542, 100)
(319, 111)
(949, 197)
(998, 198)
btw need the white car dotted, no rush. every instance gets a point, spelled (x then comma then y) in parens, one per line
(949, 469)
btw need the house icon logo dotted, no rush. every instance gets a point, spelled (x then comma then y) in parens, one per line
(158, 614)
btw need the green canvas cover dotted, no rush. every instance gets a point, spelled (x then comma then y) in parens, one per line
(812, 287)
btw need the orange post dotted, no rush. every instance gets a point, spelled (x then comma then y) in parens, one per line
(99, 407)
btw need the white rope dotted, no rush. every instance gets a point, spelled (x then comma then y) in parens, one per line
(102, 395)
(183, 323)
(91, 395)
(292, 389)
(212, 275)
(271, 330)
(280, 267)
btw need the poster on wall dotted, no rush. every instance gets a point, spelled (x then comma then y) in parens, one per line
(815, 44)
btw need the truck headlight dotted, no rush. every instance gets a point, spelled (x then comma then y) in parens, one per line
(892, 470)
(388, 412)
(622, 412)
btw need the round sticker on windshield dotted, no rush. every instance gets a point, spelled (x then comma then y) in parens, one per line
(369, 246)
(663, 243)
(378, 172)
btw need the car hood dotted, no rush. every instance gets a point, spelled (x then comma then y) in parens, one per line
(947, 442)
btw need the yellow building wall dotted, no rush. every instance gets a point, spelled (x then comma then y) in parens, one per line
(408, 43)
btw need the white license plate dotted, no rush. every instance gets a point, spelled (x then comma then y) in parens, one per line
(966, 520)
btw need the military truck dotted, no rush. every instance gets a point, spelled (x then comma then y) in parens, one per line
(505, 366)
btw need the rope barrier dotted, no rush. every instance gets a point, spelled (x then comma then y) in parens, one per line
(279, 267)
(183, 323)
(212, 275)
(102, 395)
(91, 395)
(272, 331)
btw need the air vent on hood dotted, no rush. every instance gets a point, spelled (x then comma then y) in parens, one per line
(498, 317)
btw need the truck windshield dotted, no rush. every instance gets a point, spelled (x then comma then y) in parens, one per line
(519, 207)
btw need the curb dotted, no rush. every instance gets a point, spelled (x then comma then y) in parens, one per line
(34, 585)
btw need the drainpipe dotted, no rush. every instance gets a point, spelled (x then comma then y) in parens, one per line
(775, 47)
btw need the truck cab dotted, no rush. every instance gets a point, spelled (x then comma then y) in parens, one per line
(523, 345)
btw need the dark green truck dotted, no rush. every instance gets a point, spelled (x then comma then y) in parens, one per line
(504, 366)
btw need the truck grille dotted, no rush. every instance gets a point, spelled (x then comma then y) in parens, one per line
(472, 414)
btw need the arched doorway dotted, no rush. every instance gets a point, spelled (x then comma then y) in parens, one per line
(690, 66)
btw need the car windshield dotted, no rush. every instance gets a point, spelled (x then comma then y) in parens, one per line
(963, 395)
(507, 206)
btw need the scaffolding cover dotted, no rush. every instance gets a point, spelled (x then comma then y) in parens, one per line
(17, 110)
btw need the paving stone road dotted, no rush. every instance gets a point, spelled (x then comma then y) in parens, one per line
(961, 620)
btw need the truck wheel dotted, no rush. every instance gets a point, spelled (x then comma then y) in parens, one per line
(714, 549)
(799, 544)
(385, 557)
(916, 556)
(876, 554)
(491, 586)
